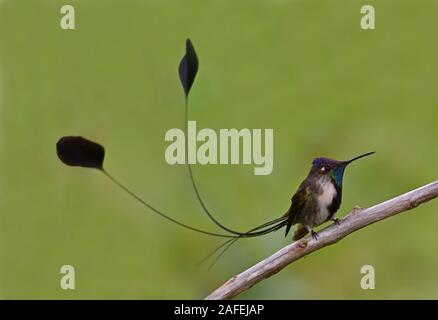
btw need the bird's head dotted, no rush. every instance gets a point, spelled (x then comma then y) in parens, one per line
(333, 168)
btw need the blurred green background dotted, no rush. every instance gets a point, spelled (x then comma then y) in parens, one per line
(304, 68)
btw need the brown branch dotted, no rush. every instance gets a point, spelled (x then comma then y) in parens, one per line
(357, 219)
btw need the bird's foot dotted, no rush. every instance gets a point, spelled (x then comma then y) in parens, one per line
(336, 221)
(314, 235)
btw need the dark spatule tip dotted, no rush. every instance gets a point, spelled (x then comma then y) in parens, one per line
(188, 67)
(77, 151)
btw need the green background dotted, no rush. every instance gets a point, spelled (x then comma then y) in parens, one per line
(304, 68)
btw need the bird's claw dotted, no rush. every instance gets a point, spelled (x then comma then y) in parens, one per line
(314, 235)
(336, 221)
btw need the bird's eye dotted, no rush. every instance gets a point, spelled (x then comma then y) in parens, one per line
(323, 168)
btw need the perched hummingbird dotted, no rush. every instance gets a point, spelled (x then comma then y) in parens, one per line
(318, 197)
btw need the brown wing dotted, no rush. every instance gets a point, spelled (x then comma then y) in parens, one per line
(299, 200)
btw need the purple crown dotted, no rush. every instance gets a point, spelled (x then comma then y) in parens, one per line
(324, 162)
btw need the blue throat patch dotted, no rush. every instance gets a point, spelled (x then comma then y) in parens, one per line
(338, 174)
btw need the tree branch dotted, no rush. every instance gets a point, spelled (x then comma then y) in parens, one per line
(357, 219)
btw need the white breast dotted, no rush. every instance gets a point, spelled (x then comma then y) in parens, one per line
(325, 199)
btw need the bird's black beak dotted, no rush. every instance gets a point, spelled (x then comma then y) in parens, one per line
(358, 157)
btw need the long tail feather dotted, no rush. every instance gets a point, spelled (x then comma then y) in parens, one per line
(198, 194)
(230, 242)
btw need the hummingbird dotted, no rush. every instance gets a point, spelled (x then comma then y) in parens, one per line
(318, 197)
(315, 202)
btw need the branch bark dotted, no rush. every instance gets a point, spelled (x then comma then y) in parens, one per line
(357, 219)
